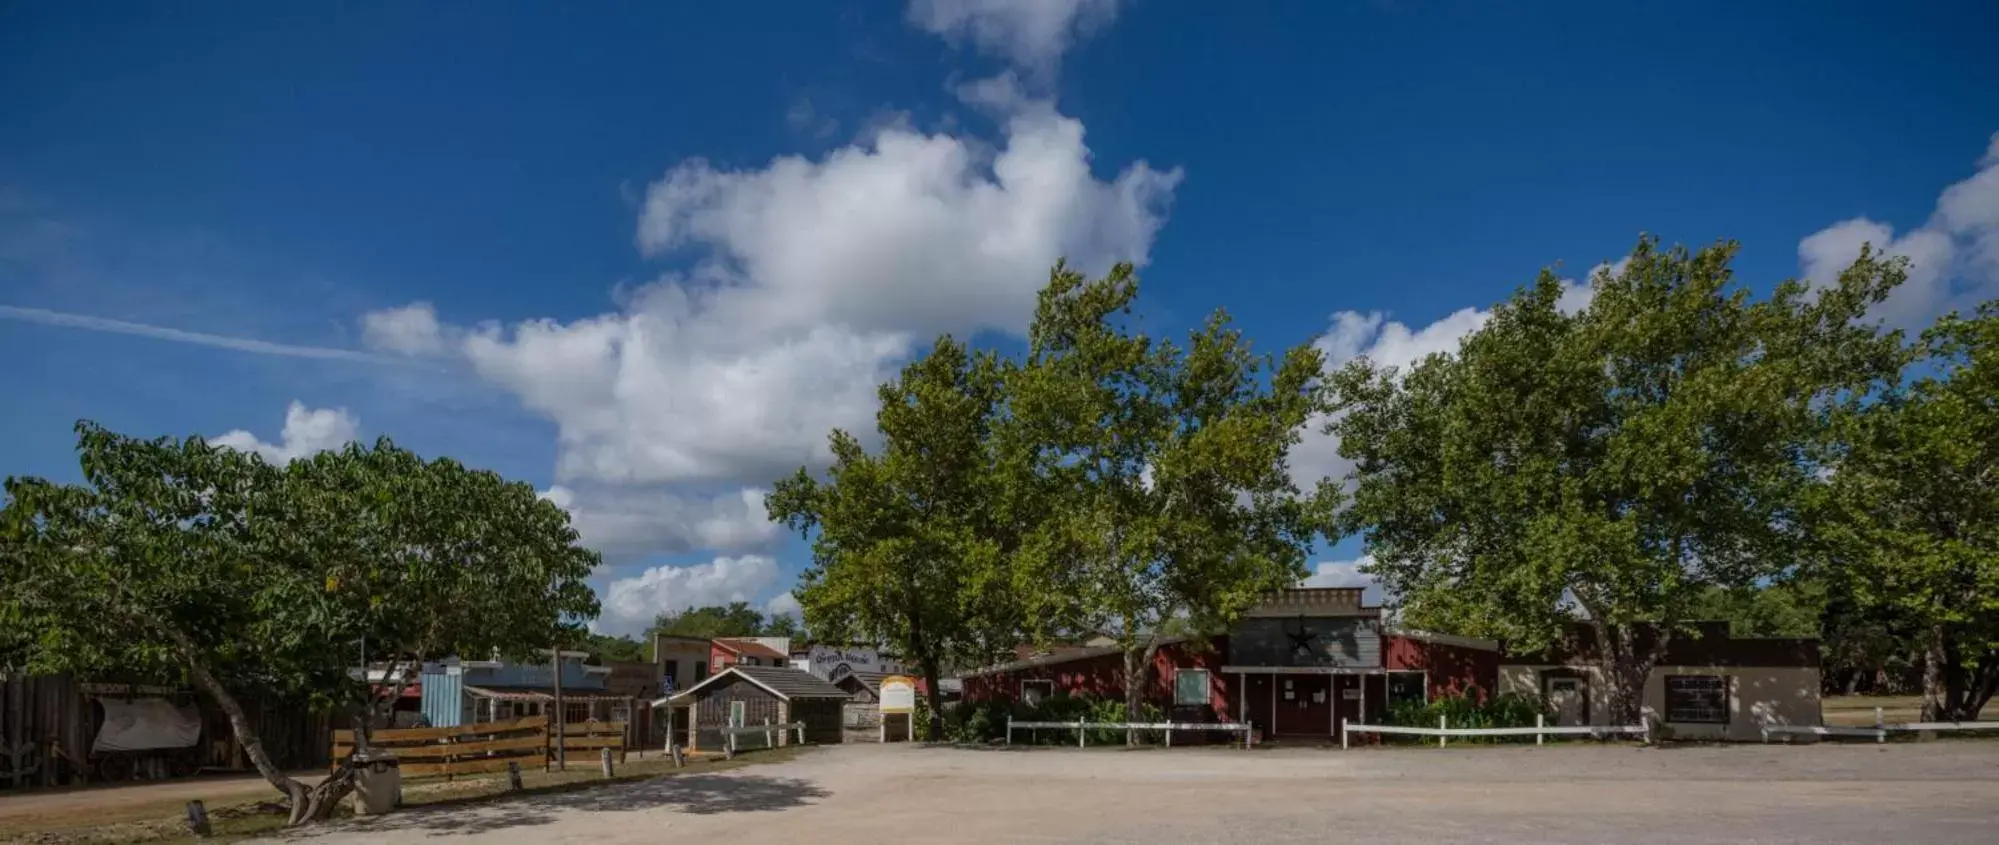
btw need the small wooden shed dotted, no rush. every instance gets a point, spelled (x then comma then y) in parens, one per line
(746, 696)
(861, 716)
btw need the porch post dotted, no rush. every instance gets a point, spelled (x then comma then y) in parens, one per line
(1242, 698)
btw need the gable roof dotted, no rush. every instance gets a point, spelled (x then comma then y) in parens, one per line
(870, 681)
(782, 681)
(749, 648)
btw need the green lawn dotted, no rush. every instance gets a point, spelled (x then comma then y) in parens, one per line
(1858, 710)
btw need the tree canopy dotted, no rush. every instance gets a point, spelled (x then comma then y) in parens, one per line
(1106, 481)
(1617, 464)
(180, 559)
(1170, 505)
(909, 546)
(1911, 512)
(736, 619)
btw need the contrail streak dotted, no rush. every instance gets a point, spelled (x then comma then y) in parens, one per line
(240, 344)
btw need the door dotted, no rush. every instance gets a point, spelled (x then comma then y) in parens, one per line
(1569, 700)
(1304, 705)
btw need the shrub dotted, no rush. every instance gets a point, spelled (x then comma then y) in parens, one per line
(986, 721)
(1460, 711)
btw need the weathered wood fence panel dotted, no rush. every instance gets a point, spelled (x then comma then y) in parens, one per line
(48, 725)
(484, 747)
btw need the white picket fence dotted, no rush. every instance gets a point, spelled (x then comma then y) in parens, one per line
(1879, 732)
(1540, 732)
(1083, 729)
(769, 731)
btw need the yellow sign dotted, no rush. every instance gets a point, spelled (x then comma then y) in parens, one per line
(898, 694)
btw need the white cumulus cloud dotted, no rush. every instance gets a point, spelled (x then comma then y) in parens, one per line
(812, 278)
(1387, 343)
(784, 604)
(909, 231)
(630, 604)
(626, 524)
(409, 330)
(1346, 573)
(1031, 33)
(306, 432)
(1953, 257)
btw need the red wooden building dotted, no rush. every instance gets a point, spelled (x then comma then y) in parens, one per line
(724, 652)
(1297, 666)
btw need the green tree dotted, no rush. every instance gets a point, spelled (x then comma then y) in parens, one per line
(1170, 504)
(737, 619)
(179, 559)
(609, 648)
(1794, 608)
(1618, 463)
(783, 625)
(1913, 512)
(909, 546)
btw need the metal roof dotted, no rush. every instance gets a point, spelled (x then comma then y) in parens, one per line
(782, 681)
(747, 647)
(1065, 656)
(540, 694)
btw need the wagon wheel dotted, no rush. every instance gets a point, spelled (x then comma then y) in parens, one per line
(185, 764)
(114, 768)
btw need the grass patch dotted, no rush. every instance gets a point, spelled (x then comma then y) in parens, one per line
(1858, 710)
(166, 822)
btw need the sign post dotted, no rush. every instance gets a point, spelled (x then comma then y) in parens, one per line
(898, 695)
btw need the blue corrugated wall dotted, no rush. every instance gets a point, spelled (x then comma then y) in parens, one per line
(443, 699)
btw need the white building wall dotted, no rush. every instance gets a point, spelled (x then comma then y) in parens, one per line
(1758, 696)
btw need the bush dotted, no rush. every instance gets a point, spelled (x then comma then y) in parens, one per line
(986, 721)
(1460, 711)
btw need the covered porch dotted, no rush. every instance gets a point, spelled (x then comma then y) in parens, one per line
(1306, 703)
(492, 704)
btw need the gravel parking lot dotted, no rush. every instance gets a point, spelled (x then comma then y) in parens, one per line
(1946, 792)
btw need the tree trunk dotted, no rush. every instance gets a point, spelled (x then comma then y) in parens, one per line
(308, 804)
(1627, 668)
(1984, 685)
(1137, 672)
(1936, 692)
(932, 680)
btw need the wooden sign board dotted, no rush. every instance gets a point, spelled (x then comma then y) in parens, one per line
(898, 694)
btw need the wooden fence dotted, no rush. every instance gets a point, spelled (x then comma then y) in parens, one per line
(49, 725)
(484, 747)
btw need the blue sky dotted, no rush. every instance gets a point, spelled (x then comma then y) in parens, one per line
(645, 256)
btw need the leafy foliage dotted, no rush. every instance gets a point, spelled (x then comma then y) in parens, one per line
(1623, 462)
(611, 648)
(1500, 711)
(1170, 504)
(737, 619)
(985, 721)
(1911, 512)
(177, 558)
(909, 545)
(1793, 608)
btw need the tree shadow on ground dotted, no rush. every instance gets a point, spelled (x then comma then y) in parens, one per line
(696, 794)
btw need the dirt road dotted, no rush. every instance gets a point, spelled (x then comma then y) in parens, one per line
(96, 806)
(1930, 793)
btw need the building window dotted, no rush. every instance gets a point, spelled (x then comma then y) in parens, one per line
(700, 671)
(1032, 693)
(1697, 698)
(737, 713)
(1406, 687)
(1190, 687)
